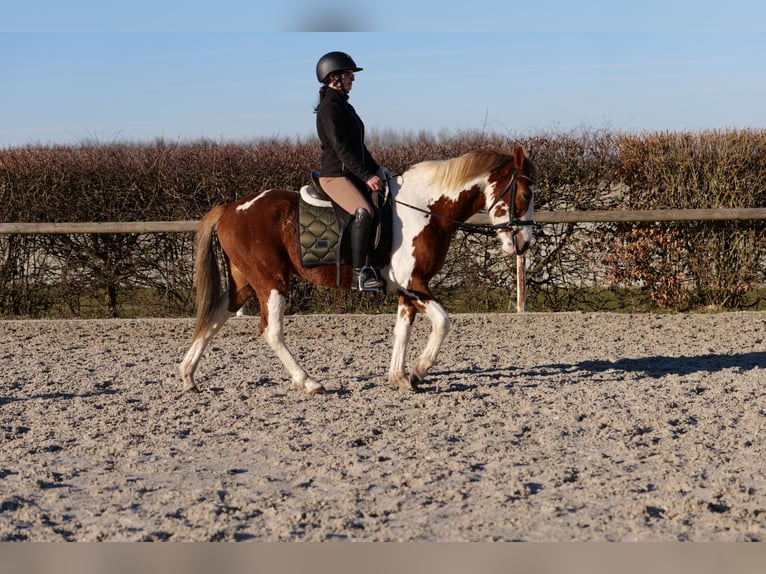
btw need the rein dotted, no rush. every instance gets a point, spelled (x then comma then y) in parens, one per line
(482, 228)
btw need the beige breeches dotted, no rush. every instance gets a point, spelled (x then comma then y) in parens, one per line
(345, 193)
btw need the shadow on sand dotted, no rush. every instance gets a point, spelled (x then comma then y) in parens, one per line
(655, 367)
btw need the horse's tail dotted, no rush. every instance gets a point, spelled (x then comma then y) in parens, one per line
(206, 271)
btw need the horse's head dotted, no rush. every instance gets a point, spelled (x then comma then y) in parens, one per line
(510, 202)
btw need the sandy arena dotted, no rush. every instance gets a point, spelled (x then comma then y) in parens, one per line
(533, 427)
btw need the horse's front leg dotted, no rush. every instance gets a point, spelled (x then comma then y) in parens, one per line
(272, 330)
(440, 327)
(404, 318)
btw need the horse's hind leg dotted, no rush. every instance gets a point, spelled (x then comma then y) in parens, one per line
(202, 335)
(272, 330)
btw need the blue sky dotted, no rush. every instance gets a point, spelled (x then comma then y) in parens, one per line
(231, 70)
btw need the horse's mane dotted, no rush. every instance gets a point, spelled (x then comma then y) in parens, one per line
(456, 171)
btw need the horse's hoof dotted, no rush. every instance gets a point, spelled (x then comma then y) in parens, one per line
(190, 388)
(410, 384)
(313, 388)
(398, 382)
(414, 383)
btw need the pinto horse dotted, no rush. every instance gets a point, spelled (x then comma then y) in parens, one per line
(431, 200)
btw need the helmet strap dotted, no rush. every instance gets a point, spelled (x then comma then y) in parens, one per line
(336, 83)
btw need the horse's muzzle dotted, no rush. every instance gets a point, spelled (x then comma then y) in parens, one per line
(516, 241)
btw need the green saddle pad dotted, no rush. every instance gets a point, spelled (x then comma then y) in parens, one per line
(318, 234)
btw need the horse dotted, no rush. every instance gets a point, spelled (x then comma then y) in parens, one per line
(430, 201)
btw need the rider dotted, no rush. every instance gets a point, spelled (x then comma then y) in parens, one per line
(348, 173)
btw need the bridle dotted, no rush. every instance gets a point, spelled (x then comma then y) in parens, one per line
(513, 224)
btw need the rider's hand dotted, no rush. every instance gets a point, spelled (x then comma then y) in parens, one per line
(375, 183)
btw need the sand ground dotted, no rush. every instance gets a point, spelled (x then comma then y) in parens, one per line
(534, 427)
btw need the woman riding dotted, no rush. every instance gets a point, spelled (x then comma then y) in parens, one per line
(348, 173)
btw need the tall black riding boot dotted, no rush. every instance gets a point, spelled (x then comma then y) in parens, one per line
(365, 278)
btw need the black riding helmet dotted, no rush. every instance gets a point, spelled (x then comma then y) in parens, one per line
(335, 62)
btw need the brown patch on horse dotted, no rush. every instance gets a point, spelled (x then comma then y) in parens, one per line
(519, 166)
(434, 240)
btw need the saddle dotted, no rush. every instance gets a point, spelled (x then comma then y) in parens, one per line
(322, 225)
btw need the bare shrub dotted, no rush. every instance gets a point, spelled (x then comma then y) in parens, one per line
(693, 264)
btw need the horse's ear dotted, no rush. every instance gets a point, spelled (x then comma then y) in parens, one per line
(518, 157)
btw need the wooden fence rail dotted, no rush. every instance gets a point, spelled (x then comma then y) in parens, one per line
(98, 227)
(645, 216)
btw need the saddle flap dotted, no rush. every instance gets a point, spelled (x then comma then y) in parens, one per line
(319, 234)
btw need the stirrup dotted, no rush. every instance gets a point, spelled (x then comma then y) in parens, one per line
(366, 279)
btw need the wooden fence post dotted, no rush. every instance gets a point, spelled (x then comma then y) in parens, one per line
(521, 283)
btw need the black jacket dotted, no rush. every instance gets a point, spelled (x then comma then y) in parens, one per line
(341, 133)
